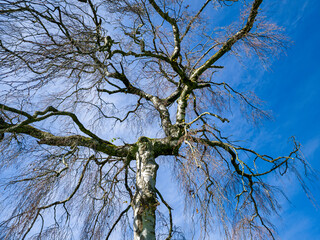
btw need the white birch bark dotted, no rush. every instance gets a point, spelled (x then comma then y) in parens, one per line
(145, 202)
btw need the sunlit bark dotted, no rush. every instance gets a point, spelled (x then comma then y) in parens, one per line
(145, 201)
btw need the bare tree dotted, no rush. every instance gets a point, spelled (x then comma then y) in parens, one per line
(72, 72)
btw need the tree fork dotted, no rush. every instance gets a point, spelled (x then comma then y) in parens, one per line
(145, 201)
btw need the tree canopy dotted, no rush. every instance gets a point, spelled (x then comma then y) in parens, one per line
(96, 94)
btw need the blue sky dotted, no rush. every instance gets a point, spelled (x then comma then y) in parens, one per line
(292, 92)
(290, 88)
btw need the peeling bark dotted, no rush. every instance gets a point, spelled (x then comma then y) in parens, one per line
(145, 201)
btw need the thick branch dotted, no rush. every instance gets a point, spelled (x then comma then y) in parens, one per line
(159, 104)
(230, 42)
(73, 140)
(175, 29)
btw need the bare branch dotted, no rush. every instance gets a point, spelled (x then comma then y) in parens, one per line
(230, 42)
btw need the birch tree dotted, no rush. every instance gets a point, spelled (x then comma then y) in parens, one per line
(73, 72)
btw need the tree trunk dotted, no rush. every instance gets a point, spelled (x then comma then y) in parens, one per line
(145, 202)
